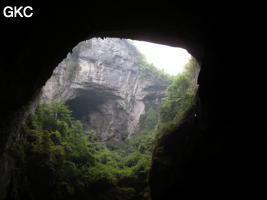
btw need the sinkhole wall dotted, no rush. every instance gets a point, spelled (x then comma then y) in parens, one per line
(103, 83)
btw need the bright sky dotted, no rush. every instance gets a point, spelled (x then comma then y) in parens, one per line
(171, 59)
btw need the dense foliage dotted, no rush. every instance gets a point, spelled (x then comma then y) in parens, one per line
(57, 159)
(180, 94)
(176, 110)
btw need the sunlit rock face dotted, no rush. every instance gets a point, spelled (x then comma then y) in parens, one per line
(102, 83)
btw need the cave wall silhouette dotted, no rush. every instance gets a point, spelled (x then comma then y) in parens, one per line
(222, 160)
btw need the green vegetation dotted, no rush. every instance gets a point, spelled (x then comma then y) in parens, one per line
(179, 95)
(148, 70)
(144, 142)
(57, 159)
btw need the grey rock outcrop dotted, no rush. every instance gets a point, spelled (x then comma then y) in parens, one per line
(102, 83)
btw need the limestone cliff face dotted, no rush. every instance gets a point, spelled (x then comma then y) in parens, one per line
(102, 83)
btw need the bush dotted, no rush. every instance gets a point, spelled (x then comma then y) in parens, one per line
(60, 160)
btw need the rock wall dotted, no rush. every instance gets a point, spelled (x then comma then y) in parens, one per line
(102, 83)
(217, 34)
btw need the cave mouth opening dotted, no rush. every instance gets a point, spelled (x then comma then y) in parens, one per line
(85, 103)
(101, 113)
(103, 84)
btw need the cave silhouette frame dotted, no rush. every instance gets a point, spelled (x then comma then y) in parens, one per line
(188, 126)
(203, 29)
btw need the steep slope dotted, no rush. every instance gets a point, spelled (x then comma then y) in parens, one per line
(104, 83)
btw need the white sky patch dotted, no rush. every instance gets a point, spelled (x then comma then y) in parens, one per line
(171, 59)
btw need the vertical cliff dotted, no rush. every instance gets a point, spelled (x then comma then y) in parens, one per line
(104, 83)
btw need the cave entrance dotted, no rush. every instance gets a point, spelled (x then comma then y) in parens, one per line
(110, 84)
(99, 117)
(84, 104)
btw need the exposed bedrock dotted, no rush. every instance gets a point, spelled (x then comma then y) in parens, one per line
(103, 85)
(227, 155)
